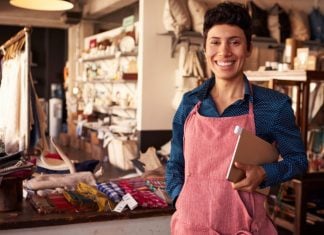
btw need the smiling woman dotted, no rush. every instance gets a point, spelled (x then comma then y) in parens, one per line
(203, 139)
(50, 5)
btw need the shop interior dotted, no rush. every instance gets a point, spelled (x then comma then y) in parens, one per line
(98, 86)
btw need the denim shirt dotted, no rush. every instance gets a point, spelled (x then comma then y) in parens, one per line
(274, 122)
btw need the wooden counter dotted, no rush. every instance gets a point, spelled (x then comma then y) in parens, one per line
(27, 217)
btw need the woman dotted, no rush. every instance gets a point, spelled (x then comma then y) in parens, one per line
(203, 139)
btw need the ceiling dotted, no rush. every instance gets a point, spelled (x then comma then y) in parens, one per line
(92, 10)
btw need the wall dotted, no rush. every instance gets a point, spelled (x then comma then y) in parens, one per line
(156, 68)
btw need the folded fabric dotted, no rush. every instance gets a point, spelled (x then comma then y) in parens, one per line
(60, 204)
(41, 205)
(117, 189)
(69, 181)
(109, 191)
(81, 202)
(155, 183)
(89, 191)
(142, 195)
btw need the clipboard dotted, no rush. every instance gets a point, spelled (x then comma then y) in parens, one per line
(250, 149)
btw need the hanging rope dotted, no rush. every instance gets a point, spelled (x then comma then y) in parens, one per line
(14, 48)
(14, 44)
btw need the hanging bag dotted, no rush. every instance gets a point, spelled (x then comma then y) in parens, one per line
(176, 16)
(279, 23)
(316, 22)
(259, 20)
(121, 152)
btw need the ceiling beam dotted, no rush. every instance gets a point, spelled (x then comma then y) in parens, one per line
(97, 8)
(31, 21)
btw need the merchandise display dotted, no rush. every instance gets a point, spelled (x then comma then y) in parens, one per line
(102, 197)
(106, 97)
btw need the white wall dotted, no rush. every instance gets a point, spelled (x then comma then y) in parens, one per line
(156, 69)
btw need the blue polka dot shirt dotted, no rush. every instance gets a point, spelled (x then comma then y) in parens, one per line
(274, 121)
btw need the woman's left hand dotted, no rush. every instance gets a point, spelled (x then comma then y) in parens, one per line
(254, 175)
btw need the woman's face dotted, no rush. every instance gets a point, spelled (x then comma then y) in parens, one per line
(226, 51)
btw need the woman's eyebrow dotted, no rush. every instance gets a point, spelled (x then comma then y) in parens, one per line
(228, 38)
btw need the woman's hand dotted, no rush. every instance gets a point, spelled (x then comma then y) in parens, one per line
(254, 175)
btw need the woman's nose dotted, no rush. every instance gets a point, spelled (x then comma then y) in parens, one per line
(224, 49)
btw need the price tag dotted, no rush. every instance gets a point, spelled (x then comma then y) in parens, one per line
(120, 206)
(131, 202)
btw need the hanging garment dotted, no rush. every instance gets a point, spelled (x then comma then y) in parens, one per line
(207, 203)
(14, 113)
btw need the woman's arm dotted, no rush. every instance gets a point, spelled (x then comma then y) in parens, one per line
(290, 145)
(175, 165)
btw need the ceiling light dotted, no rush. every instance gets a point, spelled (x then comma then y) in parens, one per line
(42, 5)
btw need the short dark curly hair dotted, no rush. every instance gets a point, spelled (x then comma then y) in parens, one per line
(231, 13)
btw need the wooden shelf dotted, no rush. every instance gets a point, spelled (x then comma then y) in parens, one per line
(92, 58)
(304, 186)
(108, 81)
(296, 218)
(284, 224)
(109, 109)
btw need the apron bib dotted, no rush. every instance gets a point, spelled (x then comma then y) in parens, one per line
(207, 204)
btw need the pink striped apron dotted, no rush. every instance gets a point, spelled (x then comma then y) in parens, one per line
(207, 204)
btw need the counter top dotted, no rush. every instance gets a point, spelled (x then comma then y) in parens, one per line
(27, 217)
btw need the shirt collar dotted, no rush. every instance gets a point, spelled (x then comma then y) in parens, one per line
(209, 84)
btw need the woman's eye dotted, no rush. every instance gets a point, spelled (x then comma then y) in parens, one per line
(235, 42)
(215, 42)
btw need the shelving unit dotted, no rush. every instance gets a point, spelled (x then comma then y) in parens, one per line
(304, 187)
(107, 84)
(104, 93)
(296, 217)
(107, 56)
(108, 81)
